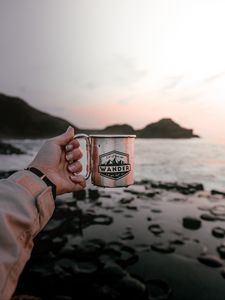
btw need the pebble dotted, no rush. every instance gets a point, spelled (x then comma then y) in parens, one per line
(155, 229)
(191, 223)
(218, 232)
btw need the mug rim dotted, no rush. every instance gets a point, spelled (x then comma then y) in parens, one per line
(112, 135)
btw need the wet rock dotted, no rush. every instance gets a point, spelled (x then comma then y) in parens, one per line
(215, 192)
(184, 188)
(158, 289)
(80, 195)
(210, 261)
(155, 229)
(221, 251)
(218, 232)
(131, 288)
(127, 235)
(6, 148)
(218, 210)
(102, 219)
(156, 210)
(6, 174)
(208, 217)
(93, 194)
(191, 223)
(126, 200)
(161, 247)
(112, 272)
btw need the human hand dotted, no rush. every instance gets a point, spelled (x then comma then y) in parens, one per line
(58, 159)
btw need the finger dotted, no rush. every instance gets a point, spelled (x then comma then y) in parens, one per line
(75, 167)
(72, 145)
(65, 138)
(74, 155)
(78, 179)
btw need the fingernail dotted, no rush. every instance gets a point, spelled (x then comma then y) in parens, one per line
(76, 178)
(69, 147)
(69, 157)
(71, 168)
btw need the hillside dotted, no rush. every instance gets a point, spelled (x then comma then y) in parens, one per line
(19, 120)
(165, 128)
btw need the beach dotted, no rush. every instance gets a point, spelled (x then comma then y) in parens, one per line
(152, 240)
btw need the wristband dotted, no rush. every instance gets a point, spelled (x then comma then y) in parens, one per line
(44, 178)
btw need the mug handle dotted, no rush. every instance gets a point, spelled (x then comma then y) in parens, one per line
(88, 148)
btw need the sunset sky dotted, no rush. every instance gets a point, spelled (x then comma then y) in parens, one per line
(101, 62)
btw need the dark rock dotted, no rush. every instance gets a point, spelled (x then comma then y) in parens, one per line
(191, 223)
(184, 188)
(165, 247)
(210, 261)
(221, 251)
(158, 289)
(80, 195)
(155, 229)
(6, 174)
(6, 148)
(93, 194)
(208, 217)
(218, 232)
(215, 192)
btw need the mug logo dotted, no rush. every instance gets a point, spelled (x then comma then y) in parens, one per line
(114, 165)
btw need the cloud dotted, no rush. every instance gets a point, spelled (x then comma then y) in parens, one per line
(214, 77)
(172, 82)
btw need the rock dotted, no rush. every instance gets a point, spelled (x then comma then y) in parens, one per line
(155, 229)
(6, 174)
(210, 261)
(93, 194)
(80, 195)
(215, 192)
(218, 232)
(158, 289)
(161, 247)
(191, 223)
(221, 251)
(208, 217)
(6, 148)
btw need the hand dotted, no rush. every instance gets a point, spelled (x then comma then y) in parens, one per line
(58, 159)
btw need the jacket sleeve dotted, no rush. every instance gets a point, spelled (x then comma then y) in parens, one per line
(26, 205)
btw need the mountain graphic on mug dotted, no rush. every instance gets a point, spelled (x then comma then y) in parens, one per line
(114, 164)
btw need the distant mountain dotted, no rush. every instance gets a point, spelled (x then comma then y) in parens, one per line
(165, 128)
(118, 129)
(19, 120)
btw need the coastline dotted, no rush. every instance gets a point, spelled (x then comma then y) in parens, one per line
(147, 241)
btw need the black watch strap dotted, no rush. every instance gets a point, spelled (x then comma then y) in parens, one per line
(44, 178)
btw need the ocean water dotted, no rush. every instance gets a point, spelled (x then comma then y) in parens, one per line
(192, 160)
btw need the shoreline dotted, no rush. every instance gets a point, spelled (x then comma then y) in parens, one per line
(147, 240)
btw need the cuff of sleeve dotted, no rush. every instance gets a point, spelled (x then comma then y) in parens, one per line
(39, 190)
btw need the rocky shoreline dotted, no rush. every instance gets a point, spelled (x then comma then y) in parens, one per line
(152, 240)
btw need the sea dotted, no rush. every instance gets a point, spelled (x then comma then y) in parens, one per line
(167, 160)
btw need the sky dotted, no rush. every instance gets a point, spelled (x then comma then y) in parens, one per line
(101, 62)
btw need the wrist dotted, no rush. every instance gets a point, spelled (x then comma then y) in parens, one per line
(43, 177)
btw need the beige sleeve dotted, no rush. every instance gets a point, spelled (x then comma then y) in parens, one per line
(26, 205)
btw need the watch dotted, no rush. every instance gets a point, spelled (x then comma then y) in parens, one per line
(44, 178)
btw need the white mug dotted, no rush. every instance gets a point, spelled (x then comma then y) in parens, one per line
(110, 159)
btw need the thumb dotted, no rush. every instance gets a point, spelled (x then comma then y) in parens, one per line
(65, 138)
